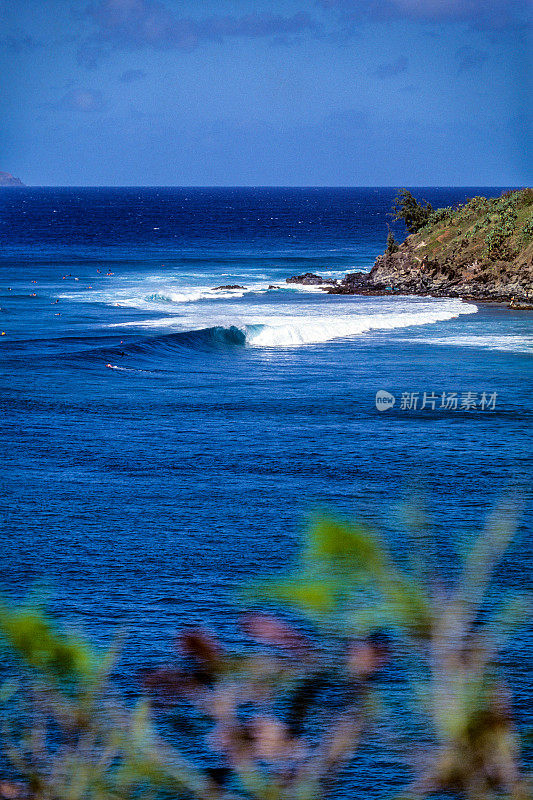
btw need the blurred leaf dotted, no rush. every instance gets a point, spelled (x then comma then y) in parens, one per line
(270, 630)
(202, 647)
(358, 554)
(361, 621)
(415, 521)
(281, 723)
(484, 555)
(308, 788)
(514, 612)
(409, 606)
(307, 595)
(140, 725)
(32, 636)
(408, 615)
(8, 689)
(345, 548)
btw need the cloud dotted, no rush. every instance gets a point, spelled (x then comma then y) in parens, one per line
(469, 58)
(135, 24)
(480, 13)
(393, 68)
(132, 75)
(82, 100)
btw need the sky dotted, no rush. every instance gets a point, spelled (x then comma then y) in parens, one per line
(257, 93)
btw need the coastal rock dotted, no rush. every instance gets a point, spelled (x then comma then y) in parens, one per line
(495, 282)
(310, 279)
(6, 179)
(353, 283)
(228, 286)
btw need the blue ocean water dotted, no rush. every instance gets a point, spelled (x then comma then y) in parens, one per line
(164, 440)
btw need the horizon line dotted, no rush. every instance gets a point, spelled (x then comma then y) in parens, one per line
(268, 186)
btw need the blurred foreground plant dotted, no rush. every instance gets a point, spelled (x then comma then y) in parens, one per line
(284, 713)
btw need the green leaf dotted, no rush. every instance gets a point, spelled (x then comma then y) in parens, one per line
(409, 606)
(400, 605)
(347, 548)
(307, 595)
(32, 637)
(510, 615)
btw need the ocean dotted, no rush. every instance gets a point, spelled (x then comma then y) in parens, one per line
(164, 440)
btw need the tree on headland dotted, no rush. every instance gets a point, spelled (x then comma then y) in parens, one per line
(392, 244)
(414, 214)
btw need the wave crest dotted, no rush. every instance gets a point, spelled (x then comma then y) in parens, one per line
(301, 331)
(291, 331)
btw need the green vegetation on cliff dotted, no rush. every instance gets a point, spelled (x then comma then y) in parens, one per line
(411, 211)
(487, 230)
(482, 248)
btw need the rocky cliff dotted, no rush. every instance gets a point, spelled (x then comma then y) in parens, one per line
(6, 179)
(482, 250)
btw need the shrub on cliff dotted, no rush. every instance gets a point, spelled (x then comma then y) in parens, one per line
(407, 208)
(497, 244)
(440, 215)
(392, 244)
(526, 232)
(478, 204)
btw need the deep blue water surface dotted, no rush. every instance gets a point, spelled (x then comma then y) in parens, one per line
(162, 442)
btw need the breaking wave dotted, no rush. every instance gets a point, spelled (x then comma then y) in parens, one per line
(289, 331)
(314, 331)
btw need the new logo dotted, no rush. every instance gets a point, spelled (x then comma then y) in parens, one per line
(384, 400)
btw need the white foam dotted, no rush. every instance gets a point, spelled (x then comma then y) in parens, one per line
(323, 330)
(128, 369)
(507, 343)
(286, 316)
(149, 296)
(196, 294)
(289, 324)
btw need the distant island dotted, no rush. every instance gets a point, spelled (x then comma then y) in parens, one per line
(481, 250)
(6, 179)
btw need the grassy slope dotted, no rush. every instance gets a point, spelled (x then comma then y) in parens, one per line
(489, 232)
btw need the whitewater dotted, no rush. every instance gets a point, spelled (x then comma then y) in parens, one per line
(266, 314)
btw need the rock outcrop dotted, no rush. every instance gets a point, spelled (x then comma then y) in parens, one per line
(482, 250)
(6, 179)
(310, 279)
